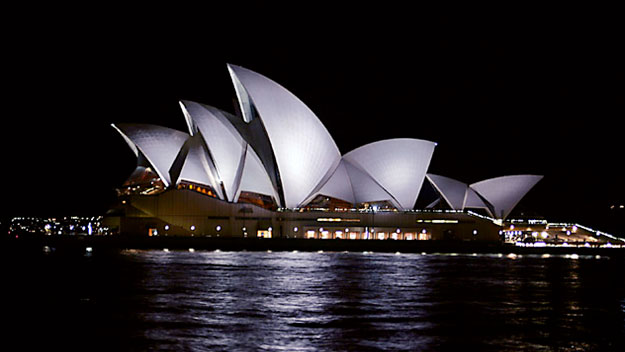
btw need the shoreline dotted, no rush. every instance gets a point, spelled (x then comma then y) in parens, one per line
(78, 244)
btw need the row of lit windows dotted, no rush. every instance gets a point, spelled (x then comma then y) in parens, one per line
(354, 235)
(199, 189)
(409, 236)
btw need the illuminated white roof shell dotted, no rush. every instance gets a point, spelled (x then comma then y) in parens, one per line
(365, 188)
(196, 166)
(453, 191)
(338, 185)
(458, 195)
(254, 177)
(159, 145)
(225, 144)
(397, 165)
(472, 200)
(505, 192)
(304, 150)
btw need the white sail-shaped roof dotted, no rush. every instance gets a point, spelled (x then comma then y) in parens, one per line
(453, 191)
(225, 144)
(196, 167)
(304, 151)
(338, 186)
(472, 200)
(365, 188)
(398, 165)
(457, 194)
(159, 145)
(254, 177)
(505, 192)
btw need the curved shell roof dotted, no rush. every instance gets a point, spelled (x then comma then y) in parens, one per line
(159, 145)
(505, 192)
(453, 191)
(397, 165)
(254, 177)
(225, 145)
(304, 150)
(338, 185)
(457, 194)
(473, 200)
(196, 166)
(365, 188)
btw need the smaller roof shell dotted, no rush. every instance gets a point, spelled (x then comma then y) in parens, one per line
(505, 192)
(457, 194)
(397, 165)
(196, 166)
(160, 145)
(254, 177)
(365, 188)
(225, 145)
(338, 186)
(453, 191)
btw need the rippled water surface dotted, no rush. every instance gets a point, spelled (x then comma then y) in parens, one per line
(230, 301)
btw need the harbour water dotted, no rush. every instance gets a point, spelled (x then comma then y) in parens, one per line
(312, 301)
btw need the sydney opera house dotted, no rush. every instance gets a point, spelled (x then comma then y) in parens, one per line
(273, 170)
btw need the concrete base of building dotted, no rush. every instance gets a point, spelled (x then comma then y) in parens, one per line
(191, 214)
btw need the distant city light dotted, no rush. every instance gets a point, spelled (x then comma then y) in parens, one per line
(73, 225)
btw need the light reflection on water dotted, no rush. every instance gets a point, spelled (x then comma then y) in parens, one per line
(181, 300)
(294, 301)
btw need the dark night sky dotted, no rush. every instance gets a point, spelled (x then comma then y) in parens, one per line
(506, 94)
